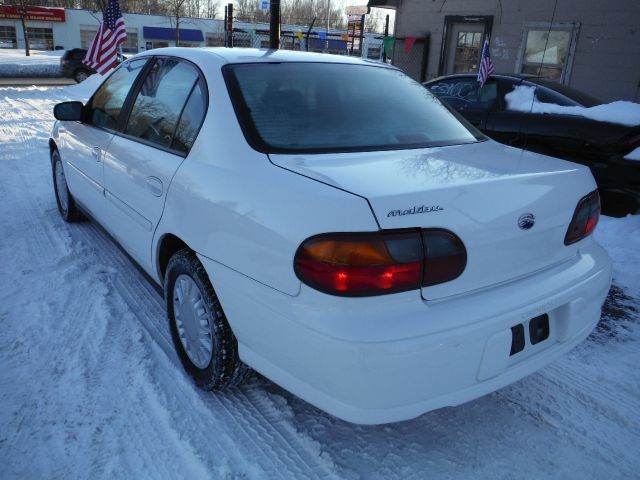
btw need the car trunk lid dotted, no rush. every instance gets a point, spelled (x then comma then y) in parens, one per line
(509, 207)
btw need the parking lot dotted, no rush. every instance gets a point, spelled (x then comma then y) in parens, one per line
(90, 384)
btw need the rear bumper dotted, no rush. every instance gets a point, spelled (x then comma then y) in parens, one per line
(391, 358)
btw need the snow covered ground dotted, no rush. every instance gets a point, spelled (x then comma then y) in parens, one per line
(14, 63)
(90, 386)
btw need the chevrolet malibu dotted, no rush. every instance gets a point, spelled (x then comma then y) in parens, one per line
(327, 222)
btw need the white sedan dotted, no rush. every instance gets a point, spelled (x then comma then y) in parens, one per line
(329, 223)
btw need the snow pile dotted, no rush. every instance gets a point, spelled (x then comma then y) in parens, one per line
(523, 99)
(83, 91)
(621, 238)
(635, 155)
(14, 63)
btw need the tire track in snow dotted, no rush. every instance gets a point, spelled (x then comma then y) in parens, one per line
(107, 276)
(246, 415)
(120, 405)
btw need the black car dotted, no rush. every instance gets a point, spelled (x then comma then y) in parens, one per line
(599, 145)
(72, 67)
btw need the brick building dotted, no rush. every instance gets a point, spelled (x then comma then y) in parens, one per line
(592, 45)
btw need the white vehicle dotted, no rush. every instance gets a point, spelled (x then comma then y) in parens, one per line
(329, 223)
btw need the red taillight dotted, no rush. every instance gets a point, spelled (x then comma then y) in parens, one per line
(585, 218)
(364, 264)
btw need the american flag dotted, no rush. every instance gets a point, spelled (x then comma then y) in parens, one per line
(486, 65)
(102, 55)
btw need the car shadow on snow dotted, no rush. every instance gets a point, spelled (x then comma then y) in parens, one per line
(483, 428)
(619, 312)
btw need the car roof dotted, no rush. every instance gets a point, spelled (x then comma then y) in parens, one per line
(511, 76)
(574, 95)
(225, 55)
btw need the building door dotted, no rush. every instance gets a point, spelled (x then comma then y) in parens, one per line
(462, 43)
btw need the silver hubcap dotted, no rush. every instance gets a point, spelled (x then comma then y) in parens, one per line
(61, 187)
(192, 321)
(81, 77)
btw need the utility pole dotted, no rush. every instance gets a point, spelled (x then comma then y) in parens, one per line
(274, 24)
(386, 34)
(229, 25)
(328, 20)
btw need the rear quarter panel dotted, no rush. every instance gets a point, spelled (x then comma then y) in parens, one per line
(229, 203)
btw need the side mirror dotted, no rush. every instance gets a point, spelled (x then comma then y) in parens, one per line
(69, 111)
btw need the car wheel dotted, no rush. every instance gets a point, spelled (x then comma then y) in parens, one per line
(202, 336)
(80, 75)
(66, 205)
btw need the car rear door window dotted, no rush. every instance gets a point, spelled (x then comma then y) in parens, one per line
(106, 105)
(467, 94)
(191, 118)
(160, 101)
(546, 95)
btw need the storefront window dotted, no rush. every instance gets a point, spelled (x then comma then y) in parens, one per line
(86, 35)
(40, 38)
(87, 32)
(157, 44)
(8, 37)
(131, 44)
(546, 53)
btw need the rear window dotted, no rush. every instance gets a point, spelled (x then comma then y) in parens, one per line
(75, 54)
(328, 107)
(577, 96)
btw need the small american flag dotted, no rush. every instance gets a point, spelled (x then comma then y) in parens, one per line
(102, 55)
(486, 65)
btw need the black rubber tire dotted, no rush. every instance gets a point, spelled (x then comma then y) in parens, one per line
(71, 214)
(225, 369)
(81, 74)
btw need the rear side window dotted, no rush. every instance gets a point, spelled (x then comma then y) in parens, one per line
(545, 95)
(75, 54)
(467, 94)
(108, 101)
(191, 119)
(160, 101)
(330, 107)
(577, 96)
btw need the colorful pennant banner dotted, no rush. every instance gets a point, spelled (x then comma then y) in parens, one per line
(409, 42)
(389, 42)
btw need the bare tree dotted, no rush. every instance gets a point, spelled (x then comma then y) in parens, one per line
(374, 21)
(177, 10)
(22, 7)
(211, 8)
(300, 12)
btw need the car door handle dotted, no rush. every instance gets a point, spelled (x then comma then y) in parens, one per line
(96, 153)
(154, 185)
(61, 130)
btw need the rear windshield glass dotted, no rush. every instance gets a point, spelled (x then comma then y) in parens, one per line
(328, 107)
(580, 98)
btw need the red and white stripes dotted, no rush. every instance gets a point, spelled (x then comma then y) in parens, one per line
(102, 54)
